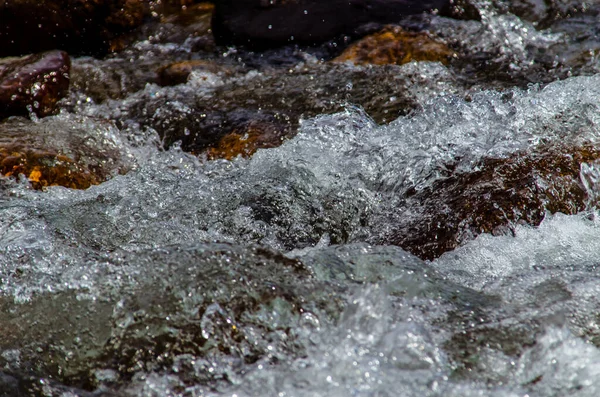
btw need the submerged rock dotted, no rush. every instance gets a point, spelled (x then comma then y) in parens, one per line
(199, 118)
(203, 313)
(178, 72)
(498, 194)
(75, 26)
(394, 45)
(54, 152)
(33, 84)
(265, 24)
(247, 140)
(544, 14)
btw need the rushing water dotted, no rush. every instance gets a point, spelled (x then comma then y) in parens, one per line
(264, 277)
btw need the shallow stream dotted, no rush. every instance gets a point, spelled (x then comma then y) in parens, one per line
(275, 275)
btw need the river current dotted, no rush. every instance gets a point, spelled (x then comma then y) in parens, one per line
(266, 276)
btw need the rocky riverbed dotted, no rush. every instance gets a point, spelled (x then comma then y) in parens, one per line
(299, 198)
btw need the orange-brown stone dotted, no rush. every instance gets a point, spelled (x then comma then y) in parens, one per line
(498, 194)
(51, 153)
(45, 168)
(394, 45)
(185, 12)
(178, 72)
(245, 142)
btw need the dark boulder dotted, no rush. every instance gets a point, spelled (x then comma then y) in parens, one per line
(33, 84)
(75, 26)
(264, 23)
(544, 14)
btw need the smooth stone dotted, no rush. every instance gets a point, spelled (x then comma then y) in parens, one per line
(33, 84)
(265, 24)
(178, 72)
(395, 46)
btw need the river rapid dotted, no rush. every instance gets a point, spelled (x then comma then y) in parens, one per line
(276, 275)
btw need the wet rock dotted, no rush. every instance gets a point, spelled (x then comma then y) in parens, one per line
(544, 13)
(33, 84)
(53, 152)
(212, 306)
(265, 24)
(178, 72)
(75, 26)
(498, 194)
(173, 22)
(102, 80)
(222, 132)
(199, 118)
(394, 45)
(244, 142)
(177, 35)
(466, 348)
(188, 14)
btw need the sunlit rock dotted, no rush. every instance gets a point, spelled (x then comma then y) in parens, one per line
(78, 27)
(394, 45)
(33, 84)
(498, 194)
(246, 140)
(56, 152)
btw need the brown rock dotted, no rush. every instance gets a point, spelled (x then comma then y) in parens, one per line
(278, 97)
(393, 45)
(492, 199)
(178, 72)
(246, 141)
(51, 152)
(34, 83)
(188, 13)
(75, 26)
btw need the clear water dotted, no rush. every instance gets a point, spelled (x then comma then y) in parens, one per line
(256, 277)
